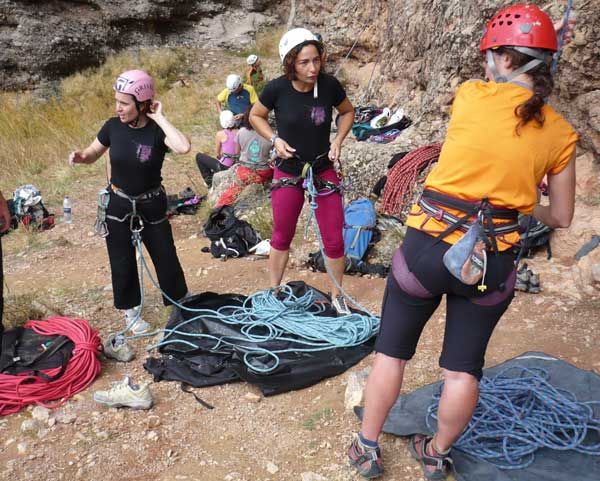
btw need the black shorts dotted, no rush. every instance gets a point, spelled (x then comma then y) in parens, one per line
(415, 287)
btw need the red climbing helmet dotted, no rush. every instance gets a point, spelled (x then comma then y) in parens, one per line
(520, 25)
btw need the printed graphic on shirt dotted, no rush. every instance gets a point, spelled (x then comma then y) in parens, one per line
(143, 152)
(254, 151)
(317, 115)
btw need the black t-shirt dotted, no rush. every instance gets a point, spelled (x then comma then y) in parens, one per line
(303, 121)
(136, 155)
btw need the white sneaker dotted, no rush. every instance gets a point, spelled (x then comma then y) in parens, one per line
(125, 394)
(380, 120)
(396, 117)
(134, 321)
(339, 304)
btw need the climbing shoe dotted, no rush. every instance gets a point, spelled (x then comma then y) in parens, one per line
(115, 347)
(436, 466)
(125, 394)
(534, 283)
(523, 279)
(366, 460)
(339, 304)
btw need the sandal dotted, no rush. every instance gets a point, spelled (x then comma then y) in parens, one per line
(440, 461)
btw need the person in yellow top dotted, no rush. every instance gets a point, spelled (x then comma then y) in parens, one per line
(502, 139)
(236, 97)
(254, 74)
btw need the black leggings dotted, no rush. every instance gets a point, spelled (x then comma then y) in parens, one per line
(158, 239)
(208, 166)
(414, 290)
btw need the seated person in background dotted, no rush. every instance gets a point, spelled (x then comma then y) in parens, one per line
(254, 74)
(227, 148)
(236, 97)
(254, 165)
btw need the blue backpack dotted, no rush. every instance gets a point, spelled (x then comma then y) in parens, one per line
(359, 222)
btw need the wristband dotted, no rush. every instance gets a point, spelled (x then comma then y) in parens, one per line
(274, 137)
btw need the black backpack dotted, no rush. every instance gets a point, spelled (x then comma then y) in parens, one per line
(534, 235)
(25, 351)
(229, 236)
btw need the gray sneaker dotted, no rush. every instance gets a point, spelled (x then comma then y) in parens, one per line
(134, 321)
(116, 347)
(125, 394)
(340, 305)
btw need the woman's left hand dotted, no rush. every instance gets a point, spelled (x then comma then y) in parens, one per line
(155, 110)
(334, 151)
(569, 34)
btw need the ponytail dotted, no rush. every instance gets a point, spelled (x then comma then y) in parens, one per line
(543, 83)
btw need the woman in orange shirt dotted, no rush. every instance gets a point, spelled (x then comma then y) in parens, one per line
(502, 139)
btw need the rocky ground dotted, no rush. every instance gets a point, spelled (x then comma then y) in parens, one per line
(300, 435)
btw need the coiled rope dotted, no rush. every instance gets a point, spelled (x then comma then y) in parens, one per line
(20, 390)
(519, 412)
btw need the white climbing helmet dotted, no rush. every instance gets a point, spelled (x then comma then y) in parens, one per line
(251, 60)
(233, 81)
(226, 119)
(293, 38)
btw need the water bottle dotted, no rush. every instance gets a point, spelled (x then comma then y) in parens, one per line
(67, 218)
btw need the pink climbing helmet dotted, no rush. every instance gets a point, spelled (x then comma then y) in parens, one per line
(137, 83)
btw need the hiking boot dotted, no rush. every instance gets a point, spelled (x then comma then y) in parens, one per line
(534, 282)
(435, 466)
(523, 279)
(115, 347)
(367, 461)
(134, 321)
(125, 394)
(340, 305)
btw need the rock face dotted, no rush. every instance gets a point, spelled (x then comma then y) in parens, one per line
(420, 50)
(48, 39)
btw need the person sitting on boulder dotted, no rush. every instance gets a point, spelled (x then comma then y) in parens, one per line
(226, 146)
(236, 97)
(502, 138)
(253, 167)
(254, 74)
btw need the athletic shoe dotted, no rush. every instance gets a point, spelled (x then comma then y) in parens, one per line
(118, 349)
(125, 394)
(139, 326)
(396, 117)
(339, 304)
(380, 120)
(523, 279)
(367, 461)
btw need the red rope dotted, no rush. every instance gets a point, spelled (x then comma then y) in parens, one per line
(402, 177)
(20, 390)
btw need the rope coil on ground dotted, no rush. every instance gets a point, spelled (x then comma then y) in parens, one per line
(519, 412)
(18, 391)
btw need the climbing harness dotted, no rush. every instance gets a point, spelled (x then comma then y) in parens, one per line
(136, 219)
(519, 411)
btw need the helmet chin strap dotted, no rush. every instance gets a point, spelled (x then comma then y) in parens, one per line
(538, 58)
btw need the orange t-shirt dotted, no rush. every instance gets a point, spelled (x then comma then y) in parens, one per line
(483, 156)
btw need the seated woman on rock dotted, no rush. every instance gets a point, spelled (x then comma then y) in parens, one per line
(226, 146)
(253, 166)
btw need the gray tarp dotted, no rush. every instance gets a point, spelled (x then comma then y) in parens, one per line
(408, 417)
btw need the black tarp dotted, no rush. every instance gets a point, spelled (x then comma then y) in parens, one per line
(199, 367)
(407, 417)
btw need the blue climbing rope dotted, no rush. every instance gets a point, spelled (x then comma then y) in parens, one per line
(265, 317)
(519, 412)
(561, 37)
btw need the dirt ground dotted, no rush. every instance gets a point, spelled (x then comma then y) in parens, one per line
(301, 435)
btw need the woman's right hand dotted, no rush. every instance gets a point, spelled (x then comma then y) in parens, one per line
(283, 149)
(77, 157)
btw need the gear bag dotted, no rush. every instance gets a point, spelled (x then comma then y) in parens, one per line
(360, 219)
(229, 236)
